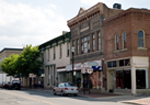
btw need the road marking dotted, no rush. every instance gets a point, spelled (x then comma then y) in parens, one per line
(29, 98)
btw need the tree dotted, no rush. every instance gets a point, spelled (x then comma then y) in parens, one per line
(8, 65)
(29, 62)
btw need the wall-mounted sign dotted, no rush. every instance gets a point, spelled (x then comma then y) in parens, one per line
(86, 69)
(68, 67)
(93, 63)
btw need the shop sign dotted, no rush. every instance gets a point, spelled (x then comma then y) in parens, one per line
(86, 69)
(93, 63)
(68, 67)
(90, 71)
(31, 75)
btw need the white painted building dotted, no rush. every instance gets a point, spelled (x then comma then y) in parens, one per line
(56, 56)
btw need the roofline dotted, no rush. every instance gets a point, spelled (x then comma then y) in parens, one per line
(51, 41)
(130, 10)
(16, 49)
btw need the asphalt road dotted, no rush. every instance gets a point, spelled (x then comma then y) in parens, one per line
(34, 97)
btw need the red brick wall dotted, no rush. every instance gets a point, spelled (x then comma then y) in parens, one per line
(131, 21)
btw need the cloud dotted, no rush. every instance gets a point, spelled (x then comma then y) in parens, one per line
(24, 24)
(109, 3)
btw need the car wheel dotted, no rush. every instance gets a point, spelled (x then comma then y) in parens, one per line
(75, 95)
(54, 92)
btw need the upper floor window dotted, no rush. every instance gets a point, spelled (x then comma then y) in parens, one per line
(93, 42)
(140, 38)
(68, 48)
(78, 47)
(54, 53)
(48, 55)
(99, 40)
(124, 40)
(117, 42)
(60, 51)
(85, 45)
(43, 57)
(74, 44)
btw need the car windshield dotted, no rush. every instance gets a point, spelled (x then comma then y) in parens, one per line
(15, 81)
(68, 84)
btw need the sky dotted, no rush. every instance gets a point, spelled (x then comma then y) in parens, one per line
(25, 22)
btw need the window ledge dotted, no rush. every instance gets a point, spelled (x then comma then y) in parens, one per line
(116, 51)
(142, 48)
(125, 49)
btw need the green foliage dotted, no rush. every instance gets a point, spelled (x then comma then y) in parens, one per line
(9, 65)
(27, 62)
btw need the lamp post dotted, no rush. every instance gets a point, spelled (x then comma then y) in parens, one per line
(72, 50)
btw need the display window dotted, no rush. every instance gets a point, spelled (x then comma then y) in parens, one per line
(123, 79)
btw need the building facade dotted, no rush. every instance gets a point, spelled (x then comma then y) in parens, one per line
(6, 52)
(87, 40)
(55, 57)
(127, 51)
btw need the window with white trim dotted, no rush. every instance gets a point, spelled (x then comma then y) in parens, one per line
(124, 39)
(140, 38)
(117, 42)
(99, 40)
(85, 45)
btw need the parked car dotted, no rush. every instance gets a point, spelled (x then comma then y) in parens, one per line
(15, 84)
(65, 89)
(4, 85)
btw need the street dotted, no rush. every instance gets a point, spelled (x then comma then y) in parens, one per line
(33, 97)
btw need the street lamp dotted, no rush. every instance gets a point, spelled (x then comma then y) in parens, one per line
(72, 50)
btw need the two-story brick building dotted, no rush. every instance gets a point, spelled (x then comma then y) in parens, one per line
(87, 39)
(127, 51)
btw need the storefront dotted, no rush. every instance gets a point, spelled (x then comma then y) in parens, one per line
(128, 74)
(82, 76)
(92, 74)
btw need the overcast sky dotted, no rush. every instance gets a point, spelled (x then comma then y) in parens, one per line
(34, 22)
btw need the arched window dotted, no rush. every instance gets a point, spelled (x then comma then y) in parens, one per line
(140, 38)
(124, 40)
(117, 42)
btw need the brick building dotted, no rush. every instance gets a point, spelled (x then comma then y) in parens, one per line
(87, 39)
(127, 51)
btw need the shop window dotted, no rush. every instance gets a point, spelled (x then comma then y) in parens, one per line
(124, 62)
(140, 79)
(123, 79)
(112, 64)
(109, 65)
